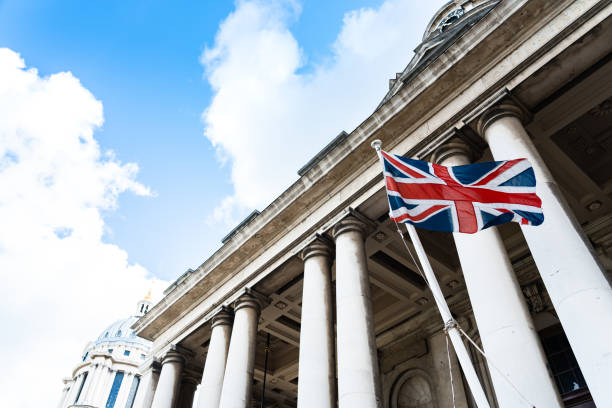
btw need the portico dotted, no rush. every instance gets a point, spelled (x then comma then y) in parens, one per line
(325, 274)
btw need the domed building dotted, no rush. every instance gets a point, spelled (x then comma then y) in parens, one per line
(107, 375)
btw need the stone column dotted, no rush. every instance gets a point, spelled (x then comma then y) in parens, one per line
(506, 329)
(99, 395)
(65, 391)
(439, 357)
(169, 380)
(70, 400)
(317, 377)
(188, 389)
(90, 383)
(214, 367)
(148, 385)
(238, 377)
(575, 281)
(358, 377)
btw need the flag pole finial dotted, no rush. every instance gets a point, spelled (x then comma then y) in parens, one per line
(376, 144)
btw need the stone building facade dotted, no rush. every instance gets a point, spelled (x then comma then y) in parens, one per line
(317, 293)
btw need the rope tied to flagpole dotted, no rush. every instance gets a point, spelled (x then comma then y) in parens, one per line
(450, 369)
(490, 362)
(452, 324)
(451, 328)
(414, 262)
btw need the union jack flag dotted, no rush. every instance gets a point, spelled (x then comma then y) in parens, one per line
(462, 198)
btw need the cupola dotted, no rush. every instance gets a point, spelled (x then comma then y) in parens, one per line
(144, 305)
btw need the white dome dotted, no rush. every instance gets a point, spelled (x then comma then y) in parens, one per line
(120, 332)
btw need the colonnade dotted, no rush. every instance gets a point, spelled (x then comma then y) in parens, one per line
(92, 387)
(573, 278)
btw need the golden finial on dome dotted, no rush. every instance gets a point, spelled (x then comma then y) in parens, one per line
(148, 297)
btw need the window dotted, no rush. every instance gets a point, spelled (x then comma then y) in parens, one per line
(126, 353)
(76, 399)
(563, 366)
(85, 356)
(142, 356)
(110, 351)
(132, 394)
(119, 333)
(112, 397)
(412, 390)
(106, 334)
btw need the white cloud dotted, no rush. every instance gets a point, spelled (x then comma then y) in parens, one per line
(60, 284)
(267, 118)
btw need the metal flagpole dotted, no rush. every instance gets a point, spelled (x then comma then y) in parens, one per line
(450, 325)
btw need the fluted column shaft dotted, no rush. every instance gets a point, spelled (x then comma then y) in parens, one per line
(575, 281)
(90, 383)
(214, 368)
(99, 397)
(358, 377)
(505, 325)
(238, 378)
(316, 386)
(76, 383)
(169, 380)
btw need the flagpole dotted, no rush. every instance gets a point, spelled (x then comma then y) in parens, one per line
(450, 325)
(449, 322)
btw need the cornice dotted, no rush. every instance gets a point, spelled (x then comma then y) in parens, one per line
(409, 108)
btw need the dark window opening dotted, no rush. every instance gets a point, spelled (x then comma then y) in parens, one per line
(564, 368)
(76, 399)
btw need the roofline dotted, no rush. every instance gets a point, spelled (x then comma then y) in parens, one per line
(387, 115)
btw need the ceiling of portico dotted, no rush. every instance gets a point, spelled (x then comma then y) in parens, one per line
(399, 297)
(398, 294)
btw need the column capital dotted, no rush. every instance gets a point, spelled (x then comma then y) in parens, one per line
(223, 317)
(497, 112)
(173, 356)
(349, 224)
(247, 300)
(191, 379)
(319, 247)
(155, 366)
(454, 147)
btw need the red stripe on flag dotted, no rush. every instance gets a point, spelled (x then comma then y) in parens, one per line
(442, 173)
(427, 191)
(466, 217)
(401, 166)
(420, 216)
(500, 169)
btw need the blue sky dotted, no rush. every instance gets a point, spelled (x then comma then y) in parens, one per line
(217, 103)
(141, 59)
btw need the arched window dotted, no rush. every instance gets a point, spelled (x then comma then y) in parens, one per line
(119, 333)
(412, 390)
